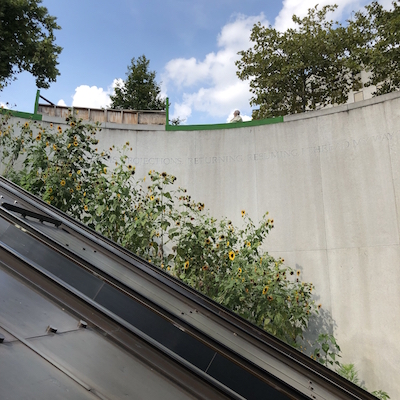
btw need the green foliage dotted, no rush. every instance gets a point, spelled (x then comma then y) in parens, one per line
(349, 372)
(27, 42)
(327, 350)
(301, 69)
(139, 91)
(378, 47)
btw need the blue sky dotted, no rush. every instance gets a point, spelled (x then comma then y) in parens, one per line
(192, 46)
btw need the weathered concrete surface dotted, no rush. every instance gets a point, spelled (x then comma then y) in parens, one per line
(331, 181)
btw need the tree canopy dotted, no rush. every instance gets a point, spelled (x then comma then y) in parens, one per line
(139, 91)
(27, 42)
(378, 46)
(301, 69)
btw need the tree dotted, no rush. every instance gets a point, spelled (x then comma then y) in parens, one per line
(27, 42)
(301, 69)
(379, 48)
(139, 91)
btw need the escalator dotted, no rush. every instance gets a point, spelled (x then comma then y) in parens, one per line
(174, 341)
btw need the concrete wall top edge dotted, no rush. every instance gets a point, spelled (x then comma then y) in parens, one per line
(341, 108)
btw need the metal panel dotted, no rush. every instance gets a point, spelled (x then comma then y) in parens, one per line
(49, 259)
(107, 368)
(25, 375)
(27, 312)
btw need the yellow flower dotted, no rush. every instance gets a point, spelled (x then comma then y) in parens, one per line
(239, 271)
(75, 143)
(243, 213)
(231, 255)
(127, 143)
(118, 195)
(71, 190)
(50, 190)
(227, 243)
(70, 174)
(47, 144)
(59, 128)
(26, 125)
(51, 125)
(63, 182)
(130, 167)
(86, 208)
(84, 194)
(105, 170)
(319, 306)
(265, 290)
(298, 272)
(78, 172)
(78, 187)
(54, 147)
(168, 268)
(248, 244)
(205, 267)
(270, 298)
(151, 198)
(186, 265)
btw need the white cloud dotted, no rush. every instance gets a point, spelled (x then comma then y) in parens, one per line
(211, 85)
(92, 96)
(3, 105)
(300, 8)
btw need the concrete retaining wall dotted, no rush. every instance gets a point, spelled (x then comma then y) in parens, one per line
(331, 181)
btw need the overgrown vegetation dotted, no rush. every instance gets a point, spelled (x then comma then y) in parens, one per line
(162, 223)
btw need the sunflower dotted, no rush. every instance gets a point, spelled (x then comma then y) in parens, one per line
(208, 241)
(51, 125)
(227, 243)
(105, 170)
(270, 298)
(205, 267)
(130, 168)
(78, 187)
(50, 190)
(63, 182)
(248, 244)
(54, 146)
(231, 255)
(243, 213)
(75, 143)
(79, 172)
(186, 265)
(26, 125)
(38, 137)
(319, 306)
(298, 272)
(265, 290)
(151, 198)
(239, 271)
(71, 190)
(86, 208)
